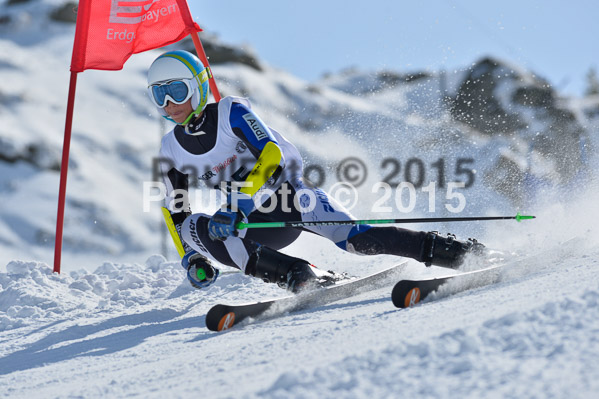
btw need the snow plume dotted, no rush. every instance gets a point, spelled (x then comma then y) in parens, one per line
(561, 214)
(565, 227)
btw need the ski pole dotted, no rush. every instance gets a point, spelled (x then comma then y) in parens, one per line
(242, 225)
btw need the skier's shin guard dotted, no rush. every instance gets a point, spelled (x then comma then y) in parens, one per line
(430, 248)
(388, 240)
(275, 267)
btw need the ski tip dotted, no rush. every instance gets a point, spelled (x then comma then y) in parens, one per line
(226, 322)
(404, 299)
(412, 297)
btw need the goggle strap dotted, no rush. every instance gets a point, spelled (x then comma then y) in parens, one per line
(204, 75)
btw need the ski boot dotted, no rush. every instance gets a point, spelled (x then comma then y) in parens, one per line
(448, 251)
(200, 271)
(293, 274)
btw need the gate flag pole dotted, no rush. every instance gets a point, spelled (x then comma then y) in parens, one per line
(98, 45)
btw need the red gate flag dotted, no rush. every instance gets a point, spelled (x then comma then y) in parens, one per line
(108, 32)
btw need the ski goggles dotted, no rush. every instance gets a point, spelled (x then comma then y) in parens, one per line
(177, 91)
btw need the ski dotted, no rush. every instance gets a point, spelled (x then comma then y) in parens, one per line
(408, 293)
(222, 317)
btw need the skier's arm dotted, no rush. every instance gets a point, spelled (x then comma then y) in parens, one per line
(262, 144)
(269, 164)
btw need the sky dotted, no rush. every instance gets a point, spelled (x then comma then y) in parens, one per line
(558, 40)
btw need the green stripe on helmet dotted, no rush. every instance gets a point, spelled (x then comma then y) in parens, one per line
(184, 61)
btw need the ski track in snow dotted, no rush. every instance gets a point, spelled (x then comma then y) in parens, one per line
(139, 330)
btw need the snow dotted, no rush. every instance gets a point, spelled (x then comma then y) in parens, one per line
(121, 320)
(139, 330)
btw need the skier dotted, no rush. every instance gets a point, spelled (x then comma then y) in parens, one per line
(208, 143)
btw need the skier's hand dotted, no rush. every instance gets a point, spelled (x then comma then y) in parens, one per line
(222, 224)
(200, 271)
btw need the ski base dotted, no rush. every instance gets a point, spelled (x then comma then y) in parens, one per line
(222, 317)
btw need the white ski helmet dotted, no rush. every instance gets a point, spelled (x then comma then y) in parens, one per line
(181, 67)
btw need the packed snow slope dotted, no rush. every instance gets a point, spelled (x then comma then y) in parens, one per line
(121, 320)
(139, 330)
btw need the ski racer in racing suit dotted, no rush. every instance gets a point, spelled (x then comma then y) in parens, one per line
(227, 146)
